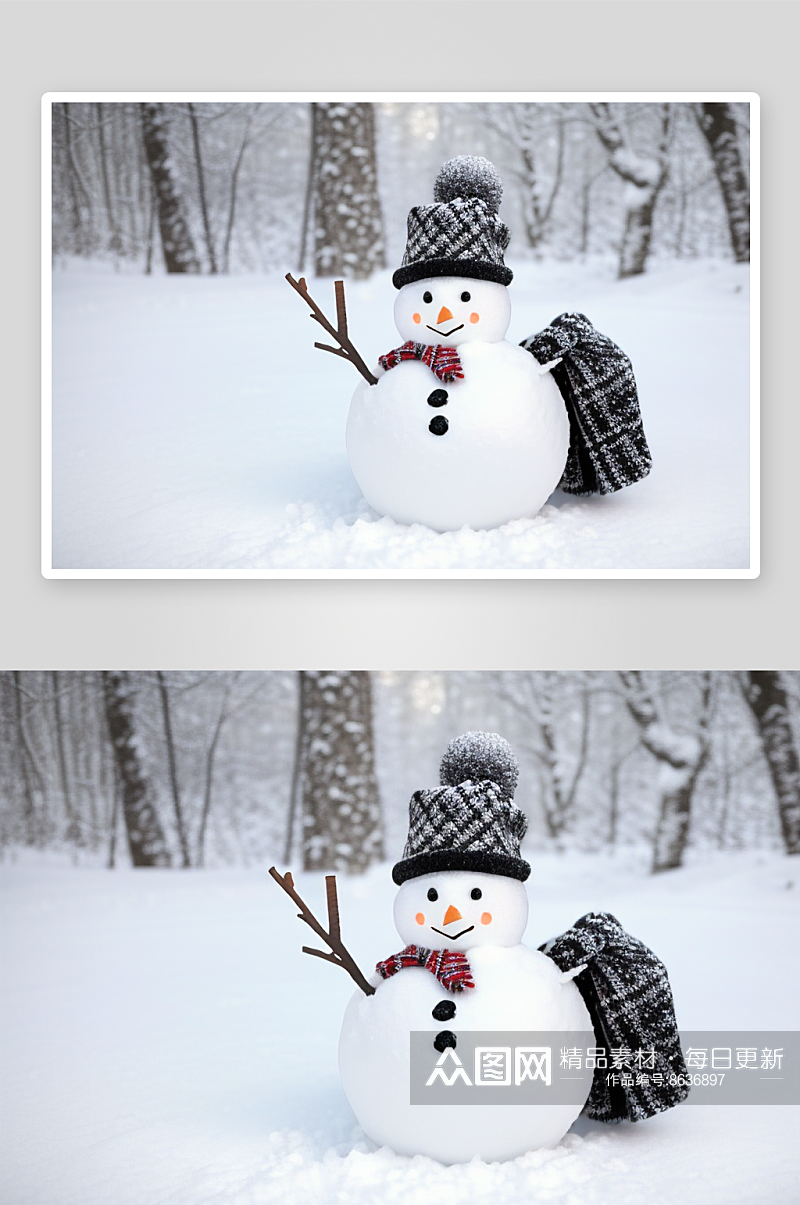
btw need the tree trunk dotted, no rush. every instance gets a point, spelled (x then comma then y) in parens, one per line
(209, 776)
(348, 224)
(637, 235)
(308, 199)
(151, 230)
(644, 177)
(163, 691)
(767, 699)
(680, 758)
(115, 242)
(533, 697)
(342, 827)
(81, 243)
(201, 189)
(586, 197)
(718, 123)
(226, 253)
(34, 828)
(536, 211)
(146, 841)
(672, 833)
(559, 813)
(113, 824)
(73, 832)
(613, 801)
(295, 791)
(176, 238)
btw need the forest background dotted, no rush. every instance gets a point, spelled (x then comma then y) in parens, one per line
(249, 186)
(316, 768)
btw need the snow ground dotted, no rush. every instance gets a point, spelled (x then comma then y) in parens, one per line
(165, 1042)
(195, 429)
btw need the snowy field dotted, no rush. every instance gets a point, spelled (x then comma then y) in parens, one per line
(165, 1042)
(196, 429)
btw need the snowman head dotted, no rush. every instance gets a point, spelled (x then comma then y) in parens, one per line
(460, 909)
(452, 281)
(461, 877)
(452, 310)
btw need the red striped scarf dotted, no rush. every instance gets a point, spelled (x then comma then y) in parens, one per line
(443, 362)
(450, 967)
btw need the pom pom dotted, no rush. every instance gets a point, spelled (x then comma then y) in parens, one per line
(478, 756)
(469, 176)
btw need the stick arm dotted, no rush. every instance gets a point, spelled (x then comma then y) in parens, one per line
(339, 333)
(339, 955)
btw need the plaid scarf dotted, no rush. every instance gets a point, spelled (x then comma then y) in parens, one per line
(442, 361)
(450, 967)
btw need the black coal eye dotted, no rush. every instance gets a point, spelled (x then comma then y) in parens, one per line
(465, 296)
(427, 297)
(476, 892)
(433, 894)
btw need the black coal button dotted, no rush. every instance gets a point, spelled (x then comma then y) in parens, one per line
(443, 1040)
(445, 1010)
(438, 425)
(438, 398)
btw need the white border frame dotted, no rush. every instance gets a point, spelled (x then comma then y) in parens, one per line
(751, 98)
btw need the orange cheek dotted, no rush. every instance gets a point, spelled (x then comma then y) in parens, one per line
(420, 918)
(474, 317)
(486, 919)
(416, 318)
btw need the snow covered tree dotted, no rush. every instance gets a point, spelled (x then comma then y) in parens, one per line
(538, 699)
(335, 784)
(201, 188)
(717, 120)
(114, 241)
(644, 175)
(680, 757)
(79, 192)
(146, 840)
(28, 775)
(348, 224)
(73, 830)
(526, 128)
(767, 698)
(169, 742)
(176, 237)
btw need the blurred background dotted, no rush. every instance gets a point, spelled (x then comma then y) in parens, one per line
(316, 768)
(326, 186)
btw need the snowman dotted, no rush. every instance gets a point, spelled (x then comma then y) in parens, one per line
(461, 911)
(462, 427)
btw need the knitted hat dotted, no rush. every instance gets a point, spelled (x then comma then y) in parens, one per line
(470, 822)
(460, 234)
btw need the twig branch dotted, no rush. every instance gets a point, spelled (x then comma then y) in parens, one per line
(333, 906)
(339, 333)
(341, 311)
(339, 955)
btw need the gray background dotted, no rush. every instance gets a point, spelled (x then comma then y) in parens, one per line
(393, 46)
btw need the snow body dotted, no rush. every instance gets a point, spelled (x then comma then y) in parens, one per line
(507, 435)
(515, 989)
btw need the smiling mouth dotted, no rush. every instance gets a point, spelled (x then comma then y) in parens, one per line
(445, 335)
(453, 936)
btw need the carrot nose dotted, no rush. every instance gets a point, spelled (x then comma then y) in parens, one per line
(450, 915)
(444, 316)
